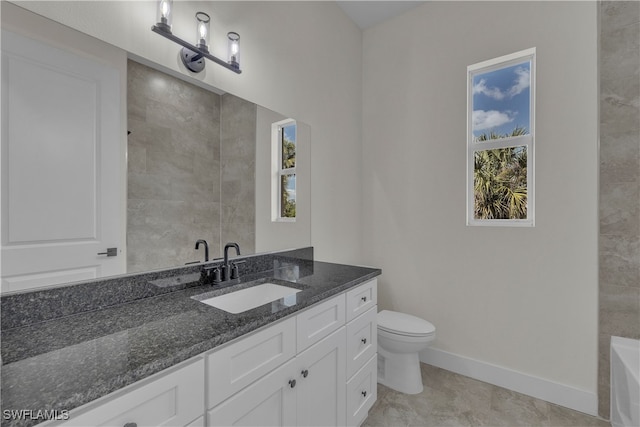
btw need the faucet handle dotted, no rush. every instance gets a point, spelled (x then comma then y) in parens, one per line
(212, 271)
(235, 273)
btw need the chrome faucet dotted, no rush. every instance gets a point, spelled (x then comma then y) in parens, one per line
(206, 248)
(226, 268)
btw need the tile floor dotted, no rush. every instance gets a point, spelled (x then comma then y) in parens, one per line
(450, 399)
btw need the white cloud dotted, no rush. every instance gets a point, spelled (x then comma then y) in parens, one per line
(521, 83)
(494, 92)
(490, 119)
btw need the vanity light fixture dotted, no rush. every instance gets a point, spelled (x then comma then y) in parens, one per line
(193, 55)
(234, 49)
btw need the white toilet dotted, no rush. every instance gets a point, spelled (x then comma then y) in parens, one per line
(400, 338)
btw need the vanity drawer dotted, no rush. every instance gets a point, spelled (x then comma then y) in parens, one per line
(173, 399)
(361, 299)
(320, 321)
(362, 391)
(234, 367)
(362, 340)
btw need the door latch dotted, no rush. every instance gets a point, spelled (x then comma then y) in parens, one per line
(110, 252)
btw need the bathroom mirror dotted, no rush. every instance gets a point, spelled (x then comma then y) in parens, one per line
(198, 166)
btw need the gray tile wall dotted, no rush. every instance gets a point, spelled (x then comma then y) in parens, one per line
(238, 165)
(619, 239)
(173, 170)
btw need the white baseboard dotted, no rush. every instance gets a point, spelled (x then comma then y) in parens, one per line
(559, 394)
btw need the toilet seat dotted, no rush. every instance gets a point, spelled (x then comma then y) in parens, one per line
(404, 324)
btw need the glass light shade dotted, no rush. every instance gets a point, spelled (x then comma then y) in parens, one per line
(202, 31)
(234, 49)
(165, 7)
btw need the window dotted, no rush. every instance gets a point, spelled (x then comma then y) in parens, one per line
(500, 138)
(283, 149)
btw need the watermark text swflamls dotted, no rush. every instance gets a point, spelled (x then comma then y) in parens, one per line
(33, 414)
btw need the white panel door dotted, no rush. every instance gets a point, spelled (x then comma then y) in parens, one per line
(61, 172)
(321, 389)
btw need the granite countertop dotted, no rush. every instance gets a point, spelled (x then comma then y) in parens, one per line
(63, 363)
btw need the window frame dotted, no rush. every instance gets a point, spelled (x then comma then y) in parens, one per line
(510, 142)
(277, 171)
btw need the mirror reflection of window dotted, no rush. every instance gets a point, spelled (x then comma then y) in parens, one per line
(285, 173)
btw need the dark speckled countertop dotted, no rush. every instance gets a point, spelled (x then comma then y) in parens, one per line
(65, 362)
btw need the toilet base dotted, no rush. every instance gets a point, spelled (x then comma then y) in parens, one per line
(400, 371)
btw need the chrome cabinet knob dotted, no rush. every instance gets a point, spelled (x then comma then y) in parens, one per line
(364, 393)
(305, 373)
(364, 340)
(292, 383)
(364, 299)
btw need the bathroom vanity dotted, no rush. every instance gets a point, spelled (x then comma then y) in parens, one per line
(170, 359)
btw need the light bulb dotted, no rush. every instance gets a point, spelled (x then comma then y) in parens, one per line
(164, 15)
(164, 8)
(202, 31)
(233, 49)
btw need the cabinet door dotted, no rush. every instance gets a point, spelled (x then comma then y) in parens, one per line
(173, 399)
(361, 299)
(362, 391)
(268, 402)
(319, 321)
(321, 391)
(238, 365)
(362, 340)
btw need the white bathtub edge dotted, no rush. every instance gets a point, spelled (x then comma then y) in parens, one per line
(549, 391)
(626, 352)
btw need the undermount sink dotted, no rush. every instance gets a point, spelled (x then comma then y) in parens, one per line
(255, 296)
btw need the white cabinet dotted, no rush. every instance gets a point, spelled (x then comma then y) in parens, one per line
(331, 381)
(241, 363)
(362, 348)
(270, 401)
(362, 340)
(307, 390)
(315, 368)
(362, 391)
(361, 298)
(319, 321)
(320, 385)
(172, 399)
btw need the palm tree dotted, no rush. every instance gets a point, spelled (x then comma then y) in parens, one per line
(500, 180)
(287, 206)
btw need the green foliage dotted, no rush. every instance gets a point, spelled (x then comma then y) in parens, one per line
(287, 207)
(500, 180)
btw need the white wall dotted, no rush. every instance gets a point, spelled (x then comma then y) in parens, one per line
(293, 62)
(524, 299)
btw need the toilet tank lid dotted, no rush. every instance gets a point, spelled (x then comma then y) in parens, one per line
(403, 323)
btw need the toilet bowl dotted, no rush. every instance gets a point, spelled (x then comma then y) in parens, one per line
(400, 338)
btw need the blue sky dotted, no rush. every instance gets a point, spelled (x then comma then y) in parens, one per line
(501, 99)
(290, 132)
(291, 187)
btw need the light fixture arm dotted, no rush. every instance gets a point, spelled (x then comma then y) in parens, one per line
(193, 48)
